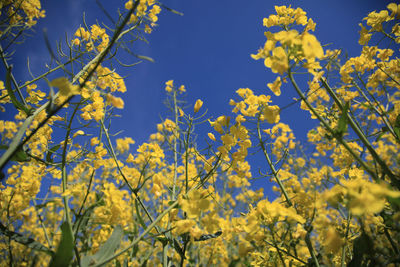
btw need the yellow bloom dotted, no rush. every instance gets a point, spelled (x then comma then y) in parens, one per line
(129, 5)
(278, 62)
(79, 132)
(198, 105)
(332, 241)
(123, 144)
(276, 86)
(183, 226)
(395, 8)
(271, 114)
(195, 203)
(364, 36)
(169, 84)
(94, 141)
(181, 113)
(115, 101)
(311, 47)
(65, 86)
(211, 136)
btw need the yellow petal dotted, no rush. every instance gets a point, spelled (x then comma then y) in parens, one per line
(197, 105)
(65, 86)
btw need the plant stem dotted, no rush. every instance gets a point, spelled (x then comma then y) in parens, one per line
(330, 130)
(272, 167)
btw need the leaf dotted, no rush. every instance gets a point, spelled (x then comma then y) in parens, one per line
(397, 121)
(11, 94)
(363, 245)
(43, 205)
(209, 236)
(234, 263)
(394, 201)
(342, 124)
(51, 152)
(29, 242)
(50, 106)
(3, 146)
(5, 158)
(106, 250)
(83, 220)
(21, 156)
(65, 250)
(396, 127)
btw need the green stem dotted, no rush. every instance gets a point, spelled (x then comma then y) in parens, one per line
(361, 135)
(346, 238)
(175, 145)
(311, 249)
(64, 174)
(42, 225)
(329, 129)
(49, 71)
(12, 77)
(272, 167)
(381, 112)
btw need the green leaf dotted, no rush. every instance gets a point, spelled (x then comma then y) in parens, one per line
(29, 242)
(363, 245)
(397, 132)
(11, 94)
(394, 201)
(209, 236)
(82, 220)
(21, 156)
(51, 152)
(43, 205)
(3, 146)
(65, 250)
(5, 158)
(106, 250)
(342, 124)
(396, 127)
(397, 121)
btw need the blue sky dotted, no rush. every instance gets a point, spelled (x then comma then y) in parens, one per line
(208, 50)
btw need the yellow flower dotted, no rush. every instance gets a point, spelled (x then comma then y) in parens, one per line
(123, 144)
(278, 62)
(332, 241)
(94, 141)
(271, 114)
(198, 105)
(79, 132)
(276, 86)
(129, 5)
(183, 226)
(169, 84)
(211, 136)
(181, 113)
(65, 86)
(395, 8)
(311, 47)
(195, 203)
(115, 101)
(182, 89)
(364, 35)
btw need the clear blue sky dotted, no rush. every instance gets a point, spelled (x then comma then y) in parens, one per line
(208, 50)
